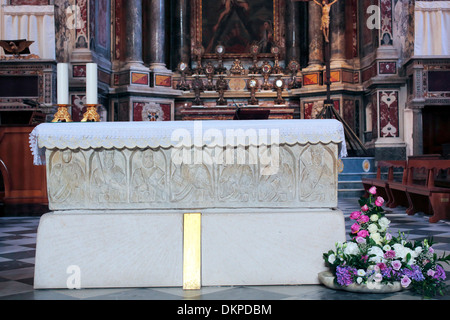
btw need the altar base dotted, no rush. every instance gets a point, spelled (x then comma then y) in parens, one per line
(108, 249)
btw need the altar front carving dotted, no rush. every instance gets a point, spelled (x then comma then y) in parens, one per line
(148, 179)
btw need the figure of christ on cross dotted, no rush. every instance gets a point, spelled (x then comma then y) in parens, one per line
(325, 25)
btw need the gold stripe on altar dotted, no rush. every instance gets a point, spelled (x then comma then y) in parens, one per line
(192, 251)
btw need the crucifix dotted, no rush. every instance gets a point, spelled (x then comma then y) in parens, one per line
(328, 110)
(325, 23)
(325, 28)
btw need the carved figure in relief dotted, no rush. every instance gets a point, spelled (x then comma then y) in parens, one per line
(66, 178)
(325, 24)
(316, 177)
(148, 180)
(279, 187)
(108, 181)
(191, 182)
(236, 183)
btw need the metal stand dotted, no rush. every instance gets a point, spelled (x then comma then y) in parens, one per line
(91, 114)
(62, 115)
(329, 112)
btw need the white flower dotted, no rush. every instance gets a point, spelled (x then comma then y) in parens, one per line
(372, 228)
(387, 248)
(359, 280)
(376, 237)
(401, 252)
(361, 272)
(418, 250)
(351, 248)
(378, 252)
(384, 222)
(374, 217)
(331, 258)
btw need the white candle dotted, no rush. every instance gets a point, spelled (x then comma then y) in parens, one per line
(91, 83)
(63, 83)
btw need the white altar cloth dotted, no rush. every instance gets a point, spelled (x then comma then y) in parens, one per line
(119, 135)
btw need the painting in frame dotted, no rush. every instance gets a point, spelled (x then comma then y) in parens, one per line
(237, 24)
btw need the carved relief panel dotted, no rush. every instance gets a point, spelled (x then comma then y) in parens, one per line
(108, 176)
(66, 175)
(317, 175)
(148, 180)
(193, 178)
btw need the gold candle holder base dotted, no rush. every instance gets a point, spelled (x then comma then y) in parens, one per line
(62, 115)
(91, 115)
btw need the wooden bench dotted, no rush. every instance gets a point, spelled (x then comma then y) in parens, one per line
(421, 191)
(385, 175)
(397, 188)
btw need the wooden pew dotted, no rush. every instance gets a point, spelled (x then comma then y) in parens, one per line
(424, 195)
(397, 188)
(385, 175)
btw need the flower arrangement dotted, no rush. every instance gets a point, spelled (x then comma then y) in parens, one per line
(374, 257)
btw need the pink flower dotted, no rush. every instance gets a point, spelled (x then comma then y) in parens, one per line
(365, 208)
(389, 254)
(378, 277)
(355, 215)
(405, 281)
(381, 265)
(363, 233)
(379, 201)
(373, 190)
(396, 265)
(431, 273)
(363, 219)
(360, 240)
(355, 228)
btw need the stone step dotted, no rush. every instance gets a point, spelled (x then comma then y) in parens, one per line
(350, 193)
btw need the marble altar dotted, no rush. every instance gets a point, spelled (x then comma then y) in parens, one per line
(266, 191)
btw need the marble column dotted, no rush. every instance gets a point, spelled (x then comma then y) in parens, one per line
(292, 31)
(417, 133)
(316, 40)
(64, 34)
(133, 33)
(157, 35)
(337, 34)
(181, 32)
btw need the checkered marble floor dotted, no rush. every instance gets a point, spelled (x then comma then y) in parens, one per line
(17, 252)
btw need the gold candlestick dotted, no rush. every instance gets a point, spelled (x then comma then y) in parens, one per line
(62, 115)
(91, 114)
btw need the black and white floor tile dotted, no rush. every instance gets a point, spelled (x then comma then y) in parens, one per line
(17, 252)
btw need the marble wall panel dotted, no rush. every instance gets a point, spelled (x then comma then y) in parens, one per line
(386, 37)
(389, 122)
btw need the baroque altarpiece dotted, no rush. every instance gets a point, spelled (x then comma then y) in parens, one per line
(165, 60)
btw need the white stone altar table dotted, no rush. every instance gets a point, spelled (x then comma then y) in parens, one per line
(265, 193)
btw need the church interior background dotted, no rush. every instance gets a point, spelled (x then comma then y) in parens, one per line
(188, 60)
(178, 60)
